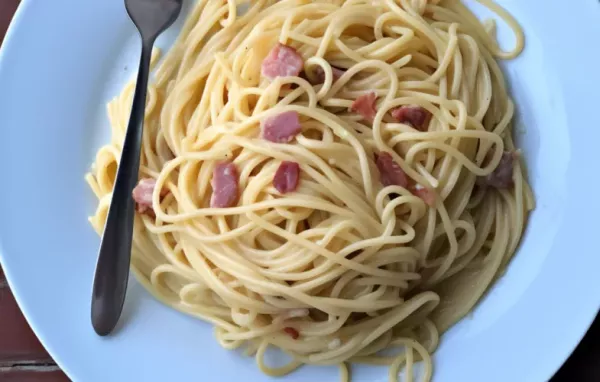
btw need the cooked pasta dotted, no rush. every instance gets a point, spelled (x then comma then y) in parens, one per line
(334, 179)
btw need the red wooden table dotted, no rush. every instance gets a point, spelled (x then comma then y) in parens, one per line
(23, 358)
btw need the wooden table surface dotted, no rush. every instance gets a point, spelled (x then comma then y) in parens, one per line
(23, 358)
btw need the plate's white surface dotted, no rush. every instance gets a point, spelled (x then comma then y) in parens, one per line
(64, 59)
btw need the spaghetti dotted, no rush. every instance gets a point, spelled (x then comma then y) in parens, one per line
(331, 178)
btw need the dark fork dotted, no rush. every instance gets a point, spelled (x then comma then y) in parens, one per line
(151, 17)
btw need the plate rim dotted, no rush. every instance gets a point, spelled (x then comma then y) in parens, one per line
(16, 24)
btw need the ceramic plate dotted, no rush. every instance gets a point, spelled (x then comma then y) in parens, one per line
(64, 59)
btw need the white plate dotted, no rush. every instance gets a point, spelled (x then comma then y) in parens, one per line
(64, 59)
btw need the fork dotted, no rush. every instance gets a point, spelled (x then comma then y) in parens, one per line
(151, 17)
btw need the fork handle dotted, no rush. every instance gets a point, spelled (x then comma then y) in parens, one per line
(112, 269)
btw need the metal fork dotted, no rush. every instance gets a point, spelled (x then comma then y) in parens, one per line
(151, 17)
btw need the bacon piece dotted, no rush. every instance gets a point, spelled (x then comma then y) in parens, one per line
(281, 128)
(225, 185)
(292, 332)
(286, 177)
(365, 106)
(390, 173)
(142, 194)
(502, 176)
(424, 193)
(415, 116)
(282, 61)
(319, 74)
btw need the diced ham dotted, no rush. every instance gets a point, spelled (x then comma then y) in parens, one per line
(142, 194)
(502, 176)
(415, 116)
(424, 193)
(292, 332)
(281, 128)
(286, 177)
(319, 74)
(390, 173)
(337, 72)
(365, 106)
(282, 61)
(225, 185)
